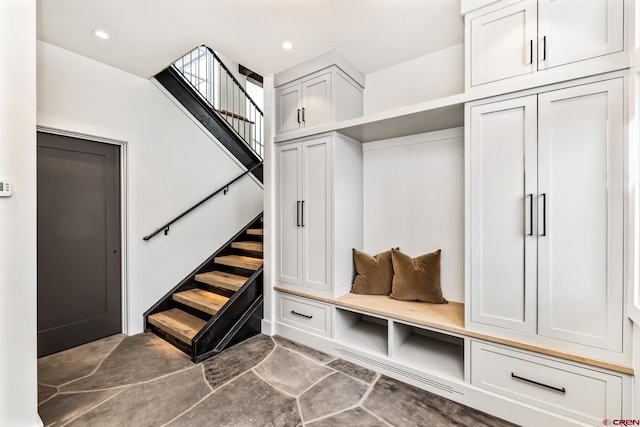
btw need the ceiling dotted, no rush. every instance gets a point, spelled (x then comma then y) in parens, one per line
(147, 35)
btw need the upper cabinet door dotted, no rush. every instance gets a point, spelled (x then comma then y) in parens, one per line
(316, 100)
(288, 108)
(502, 187)
(574, 30)
(581, 230)
(503, 43)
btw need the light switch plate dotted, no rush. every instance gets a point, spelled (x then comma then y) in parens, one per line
(5, 188)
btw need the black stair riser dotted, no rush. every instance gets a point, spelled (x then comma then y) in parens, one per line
(180, 345)
(191, 310)
(244, 252)
(216, 290)
(234, 270)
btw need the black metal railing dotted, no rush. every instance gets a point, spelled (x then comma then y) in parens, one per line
(215, 83)
(222, 189)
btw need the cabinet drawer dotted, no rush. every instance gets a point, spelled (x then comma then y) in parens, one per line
(305, 314)
(580, 393)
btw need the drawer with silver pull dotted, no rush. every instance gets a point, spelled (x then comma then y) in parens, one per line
(579, 392)
(309, 315)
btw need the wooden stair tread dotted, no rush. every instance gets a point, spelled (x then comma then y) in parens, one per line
(240, 261)
(249, 246)
(201, 300)
(176, 322)
(255, 231)
(233, 282)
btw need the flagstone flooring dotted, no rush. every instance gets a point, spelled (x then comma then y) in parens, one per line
(265, 381)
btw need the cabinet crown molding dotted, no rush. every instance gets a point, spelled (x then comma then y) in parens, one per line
(324, 60)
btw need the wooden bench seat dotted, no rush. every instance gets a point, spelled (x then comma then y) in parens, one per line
(442, 318)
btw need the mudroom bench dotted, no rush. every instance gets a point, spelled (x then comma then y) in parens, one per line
(428, 346)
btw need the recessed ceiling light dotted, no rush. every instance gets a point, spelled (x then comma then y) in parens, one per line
(101, 34)
(287, 45)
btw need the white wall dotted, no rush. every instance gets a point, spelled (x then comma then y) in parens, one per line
(432, 76)
(18, 374)
(414, 199)
(171, 164)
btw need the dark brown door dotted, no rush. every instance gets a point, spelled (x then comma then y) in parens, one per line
(79, 267)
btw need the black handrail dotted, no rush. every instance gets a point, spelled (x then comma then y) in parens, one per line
(224, 188)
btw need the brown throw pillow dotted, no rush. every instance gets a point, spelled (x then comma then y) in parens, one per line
(374, 273)
(416, 279)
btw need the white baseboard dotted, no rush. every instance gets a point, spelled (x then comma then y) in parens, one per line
(267, 327)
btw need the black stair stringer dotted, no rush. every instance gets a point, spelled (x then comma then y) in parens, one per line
(229, 321)
(248, 325)
(184, 93)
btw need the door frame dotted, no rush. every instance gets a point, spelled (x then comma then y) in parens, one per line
(124, 208)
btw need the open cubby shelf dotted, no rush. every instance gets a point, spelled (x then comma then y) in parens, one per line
(421, 348)
(362, 331)
(428, 350)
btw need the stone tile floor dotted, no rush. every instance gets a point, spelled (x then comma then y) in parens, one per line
(265, 381)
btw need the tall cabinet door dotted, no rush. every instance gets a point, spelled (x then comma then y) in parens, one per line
(316, 213)
(495, 56)
(581, 230)
(502, 184)
(574, 30)
(289, 197)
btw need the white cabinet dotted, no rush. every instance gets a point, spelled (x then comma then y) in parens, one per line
(302, 313)
(584, 394)
(304, 103)
(575, 30)
(326, 96)
(502, 176)
(545, 183)
(502, 42)
(310, 235)
(304, 238)
(514, 38)
(581, 214)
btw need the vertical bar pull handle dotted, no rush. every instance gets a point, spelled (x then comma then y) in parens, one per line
(298, 115)
(544, 214)
(303, 114)
(298, 213)
(530, 210)
(302, 210)
(531, 51)
(544, 48)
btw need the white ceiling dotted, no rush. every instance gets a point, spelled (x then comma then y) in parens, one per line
(147, 35)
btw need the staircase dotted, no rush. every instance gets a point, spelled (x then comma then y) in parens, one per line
(217, 305)
(205, 87)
